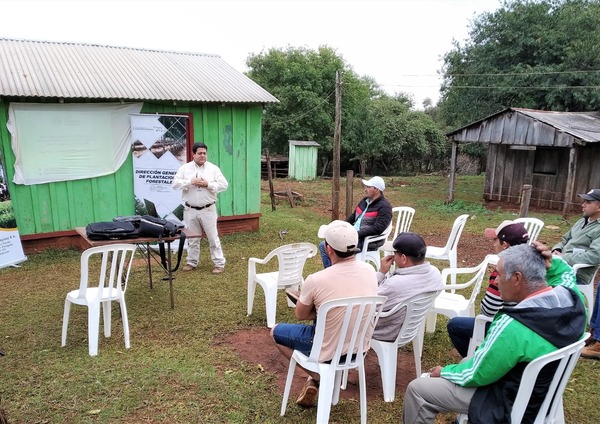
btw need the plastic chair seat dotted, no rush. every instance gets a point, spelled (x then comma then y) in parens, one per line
(434, 252)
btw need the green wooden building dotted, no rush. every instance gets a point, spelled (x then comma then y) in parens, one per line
(223, 106)
(303, 160)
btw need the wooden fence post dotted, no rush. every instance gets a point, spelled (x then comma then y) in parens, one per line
(349, 191)
(525, 199)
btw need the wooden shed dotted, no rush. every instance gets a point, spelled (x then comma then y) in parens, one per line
(557, 153)
(303, 160)
(223, 107)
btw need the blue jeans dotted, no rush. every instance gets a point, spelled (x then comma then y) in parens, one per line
(324, 257)
(295, 336)
(460, 330)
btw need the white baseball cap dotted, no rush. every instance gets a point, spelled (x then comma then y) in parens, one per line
(376, 182)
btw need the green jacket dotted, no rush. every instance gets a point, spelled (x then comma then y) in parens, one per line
(587, 241)
(534, 327)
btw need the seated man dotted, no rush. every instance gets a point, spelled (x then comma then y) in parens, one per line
(372, 216)
(485, 385)
(346, 277)
(412, 276)
(460, 329)
(581, 244)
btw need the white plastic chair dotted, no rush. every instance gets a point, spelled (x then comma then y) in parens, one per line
(291, 258)
(358, 317)
(478, 333)
(449, 251)
(587, 289)
(551, 410)
(411, 331)
(453, 304)
(115, 265)
(533, 227)
(373, 256)
(402, 223)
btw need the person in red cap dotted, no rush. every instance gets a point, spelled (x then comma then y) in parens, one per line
(581, 245)
(460, 329)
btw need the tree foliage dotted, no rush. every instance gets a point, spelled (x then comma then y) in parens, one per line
(539, 54)
(378, 131)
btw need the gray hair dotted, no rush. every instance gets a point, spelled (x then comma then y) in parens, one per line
(528, 261)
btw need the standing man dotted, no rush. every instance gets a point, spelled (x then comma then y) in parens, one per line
(543, 320)
(346, 277)
(581, 244)
(200, 181)
(412, 276)
(372, 216)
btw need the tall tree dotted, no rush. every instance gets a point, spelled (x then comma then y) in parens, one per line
(304, 82)
(541, 54)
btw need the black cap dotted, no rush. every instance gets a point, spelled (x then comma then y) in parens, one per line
(410, 244)
(591, 195)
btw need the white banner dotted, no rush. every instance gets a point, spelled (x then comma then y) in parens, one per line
(159, 149)
(55, 142)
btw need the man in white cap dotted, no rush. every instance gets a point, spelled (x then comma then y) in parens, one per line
(581, 245)
(371, 217)
(346, 277)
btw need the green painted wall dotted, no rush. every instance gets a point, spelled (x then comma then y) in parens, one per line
(231, 132)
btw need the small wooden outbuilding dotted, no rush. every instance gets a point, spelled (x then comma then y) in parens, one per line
(557, 153)
(303, 160)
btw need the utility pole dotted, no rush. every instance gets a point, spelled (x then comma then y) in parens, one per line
(337, 135)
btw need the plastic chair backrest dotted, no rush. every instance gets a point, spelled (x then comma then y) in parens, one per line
(476, 281)
(292, 258)
(533, 227)
(587, 289)
(567, 357)
(416, 310)
(457, 228)
(403, 220)
(371, 239)
(115, 266)
(478, 333)
(358, 317)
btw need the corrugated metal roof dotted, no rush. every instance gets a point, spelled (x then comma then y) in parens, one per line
(532, 127)
(304, 143)
(582, 125)
(72, 70)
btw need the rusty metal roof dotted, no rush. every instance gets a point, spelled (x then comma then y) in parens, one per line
(72, 70)
(520, 126)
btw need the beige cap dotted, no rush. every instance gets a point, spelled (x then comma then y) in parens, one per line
(340, 235)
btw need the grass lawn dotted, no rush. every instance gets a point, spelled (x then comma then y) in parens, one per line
(178, 369)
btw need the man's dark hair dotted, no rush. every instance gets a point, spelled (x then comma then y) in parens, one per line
(341, 254)
(198, 145)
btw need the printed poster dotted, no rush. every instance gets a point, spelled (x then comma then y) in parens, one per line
(11, 249)
(159, 149)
